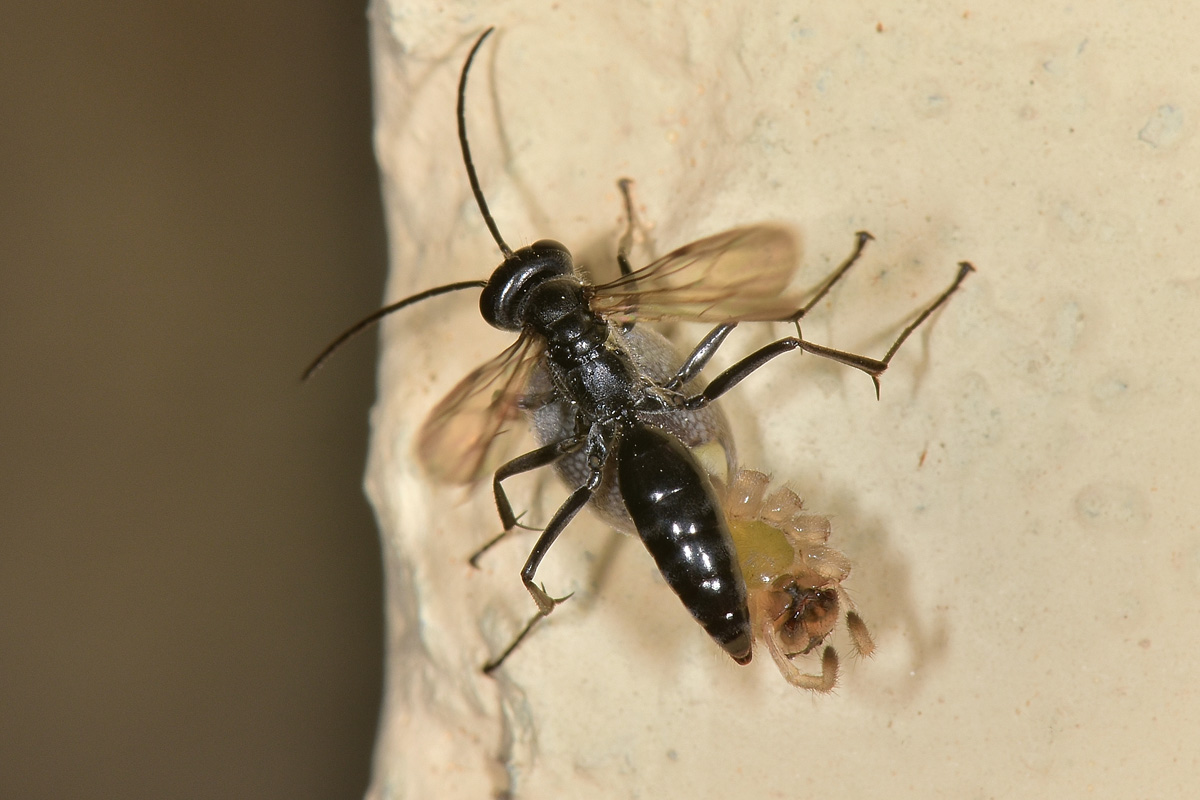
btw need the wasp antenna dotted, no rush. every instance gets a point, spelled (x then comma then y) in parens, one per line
(466, 150)
(375, 316)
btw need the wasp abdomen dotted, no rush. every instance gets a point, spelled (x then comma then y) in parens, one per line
(675, 509)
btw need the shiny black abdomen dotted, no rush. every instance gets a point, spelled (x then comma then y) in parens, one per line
(673, 505)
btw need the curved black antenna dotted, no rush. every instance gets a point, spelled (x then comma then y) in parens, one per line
(466, 151)
(375, 316)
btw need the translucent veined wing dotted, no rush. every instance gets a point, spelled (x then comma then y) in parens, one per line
(738, 275)
(462, 440)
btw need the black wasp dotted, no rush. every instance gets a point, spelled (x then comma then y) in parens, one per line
(617, 424)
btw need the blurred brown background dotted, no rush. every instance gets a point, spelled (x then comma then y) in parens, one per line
(189, 575)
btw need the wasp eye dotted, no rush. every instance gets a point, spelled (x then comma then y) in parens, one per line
(504, 300)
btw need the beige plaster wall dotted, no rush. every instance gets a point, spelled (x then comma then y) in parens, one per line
(1017, 506)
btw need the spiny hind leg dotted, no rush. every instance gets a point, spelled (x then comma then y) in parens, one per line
(625, 243)
(528, 462)
(545, 603)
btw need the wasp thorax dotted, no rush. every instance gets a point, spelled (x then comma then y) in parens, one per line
(556, 299)
(505, 299)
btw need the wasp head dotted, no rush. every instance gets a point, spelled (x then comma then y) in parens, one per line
(504, 302)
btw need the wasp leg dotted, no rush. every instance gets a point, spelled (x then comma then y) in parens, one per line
(872, 366)
(626, 241)
(566, 512)
(699, 357)
(860, 241)
(965, 268)
(524, 463)
(704, 351)
(742, 369)
(495, 540)
(494, 664)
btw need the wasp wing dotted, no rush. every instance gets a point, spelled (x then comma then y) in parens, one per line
(738, 275)
(461, 441)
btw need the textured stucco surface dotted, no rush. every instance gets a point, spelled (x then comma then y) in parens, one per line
(1016, 506)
